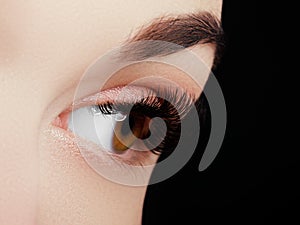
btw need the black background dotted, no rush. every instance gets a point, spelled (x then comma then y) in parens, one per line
(254, 179)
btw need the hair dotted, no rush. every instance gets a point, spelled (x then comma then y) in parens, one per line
(184, 31)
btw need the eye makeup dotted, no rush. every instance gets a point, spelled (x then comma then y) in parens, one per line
(133, 111)
(168, 104)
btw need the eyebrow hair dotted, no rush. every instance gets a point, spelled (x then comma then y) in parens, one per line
(170, 34)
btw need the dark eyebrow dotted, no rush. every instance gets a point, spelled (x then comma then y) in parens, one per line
(183, 30)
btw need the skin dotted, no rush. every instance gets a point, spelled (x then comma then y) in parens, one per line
(44, 48)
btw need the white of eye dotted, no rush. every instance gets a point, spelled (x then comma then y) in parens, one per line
(89, 123)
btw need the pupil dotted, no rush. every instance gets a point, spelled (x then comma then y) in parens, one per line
(125, 135)
(139, 125)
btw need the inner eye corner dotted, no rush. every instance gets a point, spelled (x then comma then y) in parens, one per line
(61, 120)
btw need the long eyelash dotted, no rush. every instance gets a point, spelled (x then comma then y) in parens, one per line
(106, 108)
(150, 99)
(154, 104)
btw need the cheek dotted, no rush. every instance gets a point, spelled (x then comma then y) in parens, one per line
(19, 169)
(72, 193)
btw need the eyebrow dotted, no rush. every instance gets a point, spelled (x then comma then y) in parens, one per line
(169, 34)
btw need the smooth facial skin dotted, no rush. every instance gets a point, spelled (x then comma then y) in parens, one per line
(45, 46)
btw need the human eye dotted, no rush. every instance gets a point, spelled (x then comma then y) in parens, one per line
(136, 118)
(132, 125)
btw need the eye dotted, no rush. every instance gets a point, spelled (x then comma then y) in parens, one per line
(131, 121)
(115, 131)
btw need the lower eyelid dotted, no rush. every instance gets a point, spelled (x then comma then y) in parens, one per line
(78, 146)
(137, 158)
(64, 152)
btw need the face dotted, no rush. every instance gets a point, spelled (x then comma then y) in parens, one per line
(45, 49)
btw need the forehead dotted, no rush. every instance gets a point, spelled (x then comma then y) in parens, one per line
(42, 39)
(67, 22)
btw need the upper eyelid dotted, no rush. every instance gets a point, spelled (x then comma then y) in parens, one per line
(109, 96)
(134, 94)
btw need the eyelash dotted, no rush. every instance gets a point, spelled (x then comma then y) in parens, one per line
(154, 104)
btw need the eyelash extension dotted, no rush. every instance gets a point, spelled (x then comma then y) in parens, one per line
(154, 104)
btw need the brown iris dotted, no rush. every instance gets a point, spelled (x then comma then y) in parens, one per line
(125, 134)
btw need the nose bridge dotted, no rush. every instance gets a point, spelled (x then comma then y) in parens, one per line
(19, 168)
